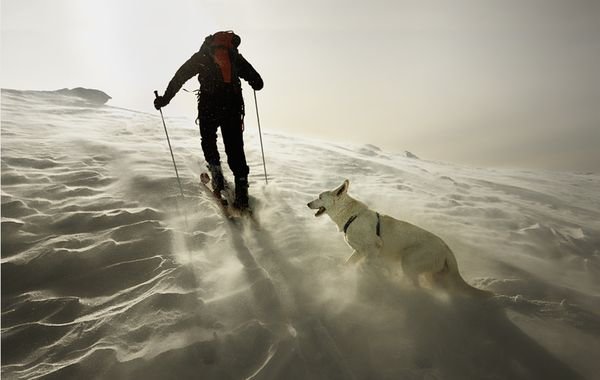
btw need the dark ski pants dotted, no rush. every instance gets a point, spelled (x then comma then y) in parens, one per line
(233, 139)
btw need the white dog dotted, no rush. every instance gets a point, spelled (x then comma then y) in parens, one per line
(370, 234)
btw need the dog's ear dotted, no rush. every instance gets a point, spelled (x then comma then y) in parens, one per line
(342, 189)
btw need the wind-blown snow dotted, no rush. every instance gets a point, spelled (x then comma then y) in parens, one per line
(103, 277)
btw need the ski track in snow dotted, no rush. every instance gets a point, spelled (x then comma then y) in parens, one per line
(102, 277)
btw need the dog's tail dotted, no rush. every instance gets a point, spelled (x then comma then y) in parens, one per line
(451, 279)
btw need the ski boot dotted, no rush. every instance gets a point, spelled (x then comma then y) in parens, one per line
(241, 193)
(216, 179)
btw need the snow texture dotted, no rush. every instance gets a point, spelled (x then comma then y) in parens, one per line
(108, 274)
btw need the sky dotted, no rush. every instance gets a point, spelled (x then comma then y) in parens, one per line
(499, 83)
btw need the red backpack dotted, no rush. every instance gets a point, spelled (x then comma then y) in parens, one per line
(219, 46)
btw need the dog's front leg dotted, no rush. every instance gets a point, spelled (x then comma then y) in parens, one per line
(354, 258)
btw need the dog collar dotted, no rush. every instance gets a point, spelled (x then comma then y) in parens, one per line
(377, 228)
(349, 222)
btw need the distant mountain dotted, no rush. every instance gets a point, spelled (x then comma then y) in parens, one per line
(89, 96)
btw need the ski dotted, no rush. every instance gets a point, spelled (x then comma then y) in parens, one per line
(229, 196)
(246, 213)
(225, 201)
(221, 202)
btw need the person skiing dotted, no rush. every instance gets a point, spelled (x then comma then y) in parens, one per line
(219, 67)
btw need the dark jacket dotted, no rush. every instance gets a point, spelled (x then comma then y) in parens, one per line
(216, 97)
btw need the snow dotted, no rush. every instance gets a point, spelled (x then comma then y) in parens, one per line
(107, 273)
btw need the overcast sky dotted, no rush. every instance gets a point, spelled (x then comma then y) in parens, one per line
(508, 83)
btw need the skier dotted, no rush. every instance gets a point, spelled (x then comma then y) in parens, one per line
(219, 67)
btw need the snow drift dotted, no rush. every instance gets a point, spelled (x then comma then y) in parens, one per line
(103, 277)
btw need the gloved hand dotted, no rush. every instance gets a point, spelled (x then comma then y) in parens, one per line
(257, 85)
(160, 102)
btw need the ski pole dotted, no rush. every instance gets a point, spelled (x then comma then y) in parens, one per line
(170, 149)
(260, 136)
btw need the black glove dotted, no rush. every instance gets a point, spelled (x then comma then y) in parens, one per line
(257, 84)
(160, 102)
